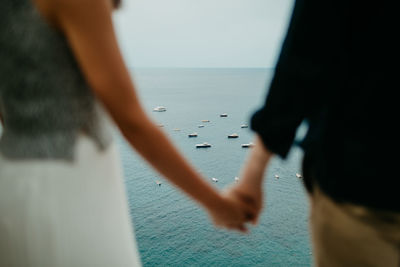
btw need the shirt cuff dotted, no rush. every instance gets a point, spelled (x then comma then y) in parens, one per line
(274, 138)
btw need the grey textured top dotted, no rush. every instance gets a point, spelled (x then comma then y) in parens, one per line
(44, 99)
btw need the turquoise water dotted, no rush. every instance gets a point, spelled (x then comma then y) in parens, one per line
(170, 229)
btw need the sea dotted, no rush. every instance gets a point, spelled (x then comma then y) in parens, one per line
(171, 229)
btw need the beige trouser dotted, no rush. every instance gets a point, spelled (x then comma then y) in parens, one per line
(349, 235)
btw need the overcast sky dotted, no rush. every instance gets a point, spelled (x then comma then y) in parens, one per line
(202, 33)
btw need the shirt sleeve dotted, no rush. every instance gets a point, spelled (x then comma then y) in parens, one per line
(277, 121)
(296, 81)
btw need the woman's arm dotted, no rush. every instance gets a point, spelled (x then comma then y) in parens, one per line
(88, 27)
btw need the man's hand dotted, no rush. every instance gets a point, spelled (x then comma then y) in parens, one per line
(248, 195)
(231, 213)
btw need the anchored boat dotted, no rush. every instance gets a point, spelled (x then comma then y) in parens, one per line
(160, 109)
(234, 135)
(248, 145)
(203, 145)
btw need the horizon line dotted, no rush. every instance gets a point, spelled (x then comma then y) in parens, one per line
(131, 67)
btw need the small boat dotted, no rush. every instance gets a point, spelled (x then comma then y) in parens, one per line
(203, 145)
(223, 115)
(160, 109)
(176, 129)
(236, 179)
(214, 179)
(205, 120)
(248, 145)
(160, 125)
(244, 126)
(200, 126)
(192, 135)
(298, 175)
(234, 135)
(158, 183)
(276, 176)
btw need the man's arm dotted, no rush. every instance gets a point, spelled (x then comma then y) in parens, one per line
(249, 189)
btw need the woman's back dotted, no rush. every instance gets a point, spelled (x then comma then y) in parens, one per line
(44, 98)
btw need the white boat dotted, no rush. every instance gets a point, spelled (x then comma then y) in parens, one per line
(160, 109)
(205, 120)
(200, 126)
(223, 115)
(214, 179)
(192, 135)
(203, 145)
(244, 126)
(276, 176)
(298, 175)
(236, 179)
(158, 183)
(234, 135)
(176, 129)
(248, 145)
(160, 125)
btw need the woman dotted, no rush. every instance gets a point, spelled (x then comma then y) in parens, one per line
(62, 199)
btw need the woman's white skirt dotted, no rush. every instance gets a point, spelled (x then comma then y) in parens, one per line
(74, 214)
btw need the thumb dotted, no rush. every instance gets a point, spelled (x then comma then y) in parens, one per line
(252, 206)
(249, 201)
(256, 218)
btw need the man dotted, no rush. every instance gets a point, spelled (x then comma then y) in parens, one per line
(334, 72)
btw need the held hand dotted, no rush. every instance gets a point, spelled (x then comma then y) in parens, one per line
(249, 195)
(243, 202)
(231, 213)
(248, 190)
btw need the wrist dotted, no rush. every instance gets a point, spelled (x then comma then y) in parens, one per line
(212, 200)
(250, 184)
(261, 154)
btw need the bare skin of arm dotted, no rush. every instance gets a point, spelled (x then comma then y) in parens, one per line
(87, 24)
(249, 189)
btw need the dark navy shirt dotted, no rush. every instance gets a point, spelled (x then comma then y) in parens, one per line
(338, 71)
